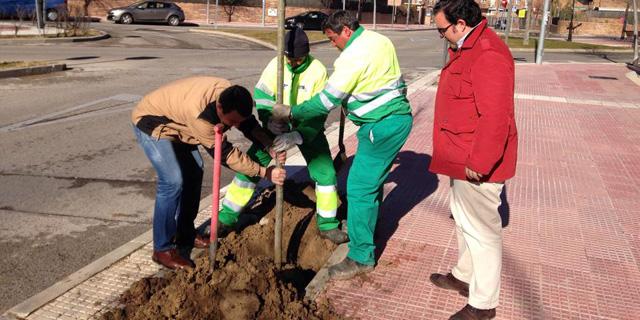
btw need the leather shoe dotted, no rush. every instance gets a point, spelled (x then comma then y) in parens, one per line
(335, 235)
(201, 242)
(171, 259)
(471, 313)
(450, 282)
(348, 269)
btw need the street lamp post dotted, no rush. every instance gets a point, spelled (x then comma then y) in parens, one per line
(543, 28)
(635, 32)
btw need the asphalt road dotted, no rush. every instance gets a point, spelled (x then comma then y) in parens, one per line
(74, 185)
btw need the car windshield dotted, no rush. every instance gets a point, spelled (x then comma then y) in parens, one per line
(135, 4)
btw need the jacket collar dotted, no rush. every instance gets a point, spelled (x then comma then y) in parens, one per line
(474, 35)
(353, 37)
(302, 67)
(469, 42)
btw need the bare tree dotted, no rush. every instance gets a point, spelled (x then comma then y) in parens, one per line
(624, 22)
(327, 3)
(229, 7)
(77, 24)
(21, 13)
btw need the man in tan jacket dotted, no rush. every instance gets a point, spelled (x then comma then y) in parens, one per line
(169, 124)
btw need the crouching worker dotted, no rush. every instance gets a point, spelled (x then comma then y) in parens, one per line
(169, 124)
(304, 76)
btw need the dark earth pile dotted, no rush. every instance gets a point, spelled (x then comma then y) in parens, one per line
(245, 283)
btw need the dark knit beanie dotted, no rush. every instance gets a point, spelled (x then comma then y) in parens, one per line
(296, 43)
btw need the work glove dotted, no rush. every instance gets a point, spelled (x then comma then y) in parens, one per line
(277, 127)
(281, 112)
(286, 141)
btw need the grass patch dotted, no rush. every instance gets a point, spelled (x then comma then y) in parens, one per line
(270, 35)
(20, 64)
(515, 42)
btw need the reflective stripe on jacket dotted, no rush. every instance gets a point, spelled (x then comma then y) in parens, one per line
(310, 81)
(367, 79)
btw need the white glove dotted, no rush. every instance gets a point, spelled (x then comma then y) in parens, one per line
(286, 141)
(277, 127)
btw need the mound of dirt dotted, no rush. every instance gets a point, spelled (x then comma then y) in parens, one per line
(245, 283)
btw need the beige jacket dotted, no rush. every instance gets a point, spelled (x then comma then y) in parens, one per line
(176, 112)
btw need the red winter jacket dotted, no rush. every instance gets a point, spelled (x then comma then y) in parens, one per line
(474, 123)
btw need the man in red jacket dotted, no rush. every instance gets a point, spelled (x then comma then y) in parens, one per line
(475, 144)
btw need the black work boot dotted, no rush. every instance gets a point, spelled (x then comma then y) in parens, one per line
(471, 313)
(448, 281)
(336, 235)
(348, 269)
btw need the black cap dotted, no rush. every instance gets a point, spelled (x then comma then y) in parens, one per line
(296, 43)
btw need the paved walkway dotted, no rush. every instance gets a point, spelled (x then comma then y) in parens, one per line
(571, 246)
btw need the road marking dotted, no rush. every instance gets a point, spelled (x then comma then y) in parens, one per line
(123, 101)
(577, 101)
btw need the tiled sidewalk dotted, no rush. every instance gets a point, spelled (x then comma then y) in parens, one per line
(572, 244)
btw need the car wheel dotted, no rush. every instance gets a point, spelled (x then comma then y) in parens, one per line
(173, 21)
(126, 19)
(52, 15)
(300, 25)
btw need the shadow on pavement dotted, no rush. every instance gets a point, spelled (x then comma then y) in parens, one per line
(414, 183)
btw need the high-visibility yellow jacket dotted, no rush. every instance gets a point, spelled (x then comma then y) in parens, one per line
(366, 78)
(300, 84)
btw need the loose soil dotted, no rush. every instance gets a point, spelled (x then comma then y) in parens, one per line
(245, 283)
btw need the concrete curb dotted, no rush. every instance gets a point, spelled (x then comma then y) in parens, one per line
(25, 308)
(623, 50)
(634, 77)
(237, 36)
(103, 35)
(30, 71)
(250, 39)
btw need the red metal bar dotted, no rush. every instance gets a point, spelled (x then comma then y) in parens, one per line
(217, 155)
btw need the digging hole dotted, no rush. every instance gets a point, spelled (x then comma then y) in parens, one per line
(245, 283)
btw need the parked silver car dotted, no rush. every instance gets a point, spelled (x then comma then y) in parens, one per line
(148, 11)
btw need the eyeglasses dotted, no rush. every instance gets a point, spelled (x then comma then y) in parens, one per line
(443, 30)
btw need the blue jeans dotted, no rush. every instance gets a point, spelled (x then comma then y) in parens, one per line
(179, 168)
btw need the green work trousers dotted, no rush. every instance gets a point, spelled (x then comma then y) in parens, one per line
(320, 165)
(378, 146)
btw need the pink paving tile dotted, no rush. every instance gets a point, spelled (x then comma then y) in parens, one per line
(520, 295)
(569, 290)
(608, 246)
(617, 287)
(571, 249)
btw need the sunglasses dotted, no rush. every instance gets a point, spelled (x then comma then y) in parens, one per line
(443, 30)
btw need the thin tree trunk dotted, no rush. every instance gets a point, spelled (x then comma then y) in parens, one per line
(623, 33)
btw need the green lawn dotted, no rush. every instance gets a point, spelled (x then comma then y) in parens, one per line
(269, 35)
(555, 44)
(20, 64)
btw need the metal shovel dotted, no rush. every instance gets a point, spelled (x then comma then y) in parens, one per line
(341, 157)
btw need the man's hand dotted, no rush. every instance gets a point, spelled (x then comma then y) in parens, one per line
(276, 175)
(472, 175)
(279, 156)
(286, 141)
(281, 112)
(277, 127)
